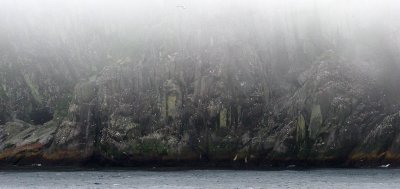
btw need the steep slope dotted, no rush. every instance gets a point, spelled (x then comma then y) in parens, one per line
(127, 114)
(203, 86)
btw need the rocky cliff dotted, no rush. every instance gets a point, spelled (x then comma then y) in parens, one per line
(184, 93)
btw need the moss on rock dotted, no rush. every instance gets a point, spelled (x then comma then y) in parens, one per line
(315, 121)
(223, 117)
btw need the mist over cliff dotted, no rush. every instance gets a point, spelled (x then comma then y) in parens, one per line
(184, 81)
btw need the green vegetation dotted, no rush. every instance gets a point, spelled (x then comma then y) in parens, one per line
(8, 145)
(62, 106)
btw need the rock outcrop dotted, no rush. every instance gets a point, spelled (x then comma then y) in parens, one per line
(198, 88)
(131, 115)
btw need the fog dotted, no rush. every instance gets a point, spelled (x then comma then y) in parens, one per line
(282, 38)
(35, 25)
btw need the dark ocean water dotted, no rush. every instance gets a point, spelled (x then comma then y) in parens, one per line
(322, 178)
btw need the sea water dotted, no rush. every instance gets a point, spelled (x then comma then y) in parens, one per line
(322, 178)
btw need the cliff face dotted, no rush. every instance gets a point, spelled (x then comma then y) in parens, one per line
(133, 113)
(194, 92)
